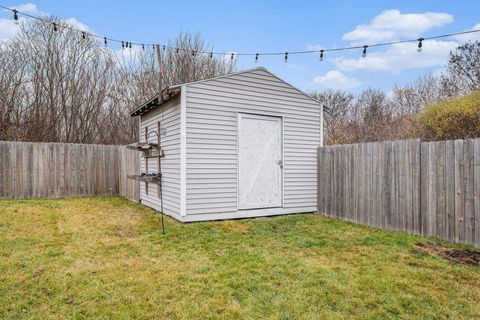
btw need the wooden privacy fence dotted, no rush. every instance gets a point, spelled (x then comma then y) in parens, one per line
(427, 188)
(45, 170)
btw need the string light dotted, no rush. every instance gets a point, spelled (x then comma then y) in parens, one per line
(15, 16)
(129, 45)
(286, 57)
(364, 52)
(231, 57)
(419, 49)
(211, 55)
(56, 25)
(143, 47)
(123, 46)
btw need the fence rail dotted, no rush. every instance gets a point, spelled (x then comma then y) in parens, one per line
(44, 170)
(427, 188)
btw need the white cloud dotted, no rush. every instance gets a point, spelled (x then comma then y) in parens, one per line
(7, 29)
(400, 57)
(126, 56)
(228, 56)
(336, 80)
(26, 8)
(77, 24)
(392, 24)
(469, 36)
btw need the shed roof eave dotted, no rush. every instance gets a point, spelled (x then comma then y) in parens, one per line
(156, 101)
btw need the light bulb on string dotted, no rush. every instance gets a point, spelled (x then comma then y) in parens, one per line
(364, 52)
(123, 46)
(321, 54)
(105, 43)
(231, 56)
(55, 27)
(419, 48)
(83, 35)
(256, 57)
(286, 57)
(143, 47)
(15, 16)
(130, 46)
(211, 55)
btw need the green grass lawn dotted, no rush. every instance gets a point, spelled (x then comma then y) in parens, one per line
(106, 258)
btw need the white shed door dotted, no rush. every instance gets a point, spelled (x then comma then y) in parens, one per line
(260, 161)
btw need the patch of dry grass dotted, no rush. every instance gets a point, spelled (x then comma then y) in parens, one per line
(104, 257)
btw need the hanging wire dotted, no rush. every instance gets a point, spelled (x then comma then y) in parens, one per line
(322, 51)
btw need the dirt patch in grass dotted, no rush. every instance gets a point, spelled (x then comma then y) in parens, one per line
(469, 257)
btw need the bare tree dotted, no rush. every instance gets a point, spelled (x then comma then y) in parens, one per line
(57, 86)
(463, 70)
(137, 76)
(338, 105)
(61, 84)
(413, 97)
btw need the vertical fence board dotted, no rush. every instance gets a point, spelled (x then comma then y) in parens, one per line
(459, 192)
(468, 181)
(440, 206)
(450, 190)
(476, 172)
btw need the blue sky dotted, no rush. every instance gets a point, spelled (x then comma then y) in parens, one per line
(256, 26)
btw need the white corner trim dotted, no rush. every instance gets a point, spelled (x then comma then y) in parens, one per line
(321, 126)
(183, 150)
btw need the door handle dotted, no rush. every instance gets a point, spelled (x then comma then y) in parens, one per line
(279, 162)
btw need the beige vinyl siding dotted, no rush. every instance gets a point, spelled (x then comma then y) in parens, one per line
(211, 129)
(169, 117)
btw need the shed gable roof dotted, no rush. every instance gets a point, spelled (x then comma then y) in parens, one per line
(174, 90)
(243, 72)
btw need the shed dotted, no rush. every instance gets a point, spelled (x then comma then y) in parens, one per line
(235, 146)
